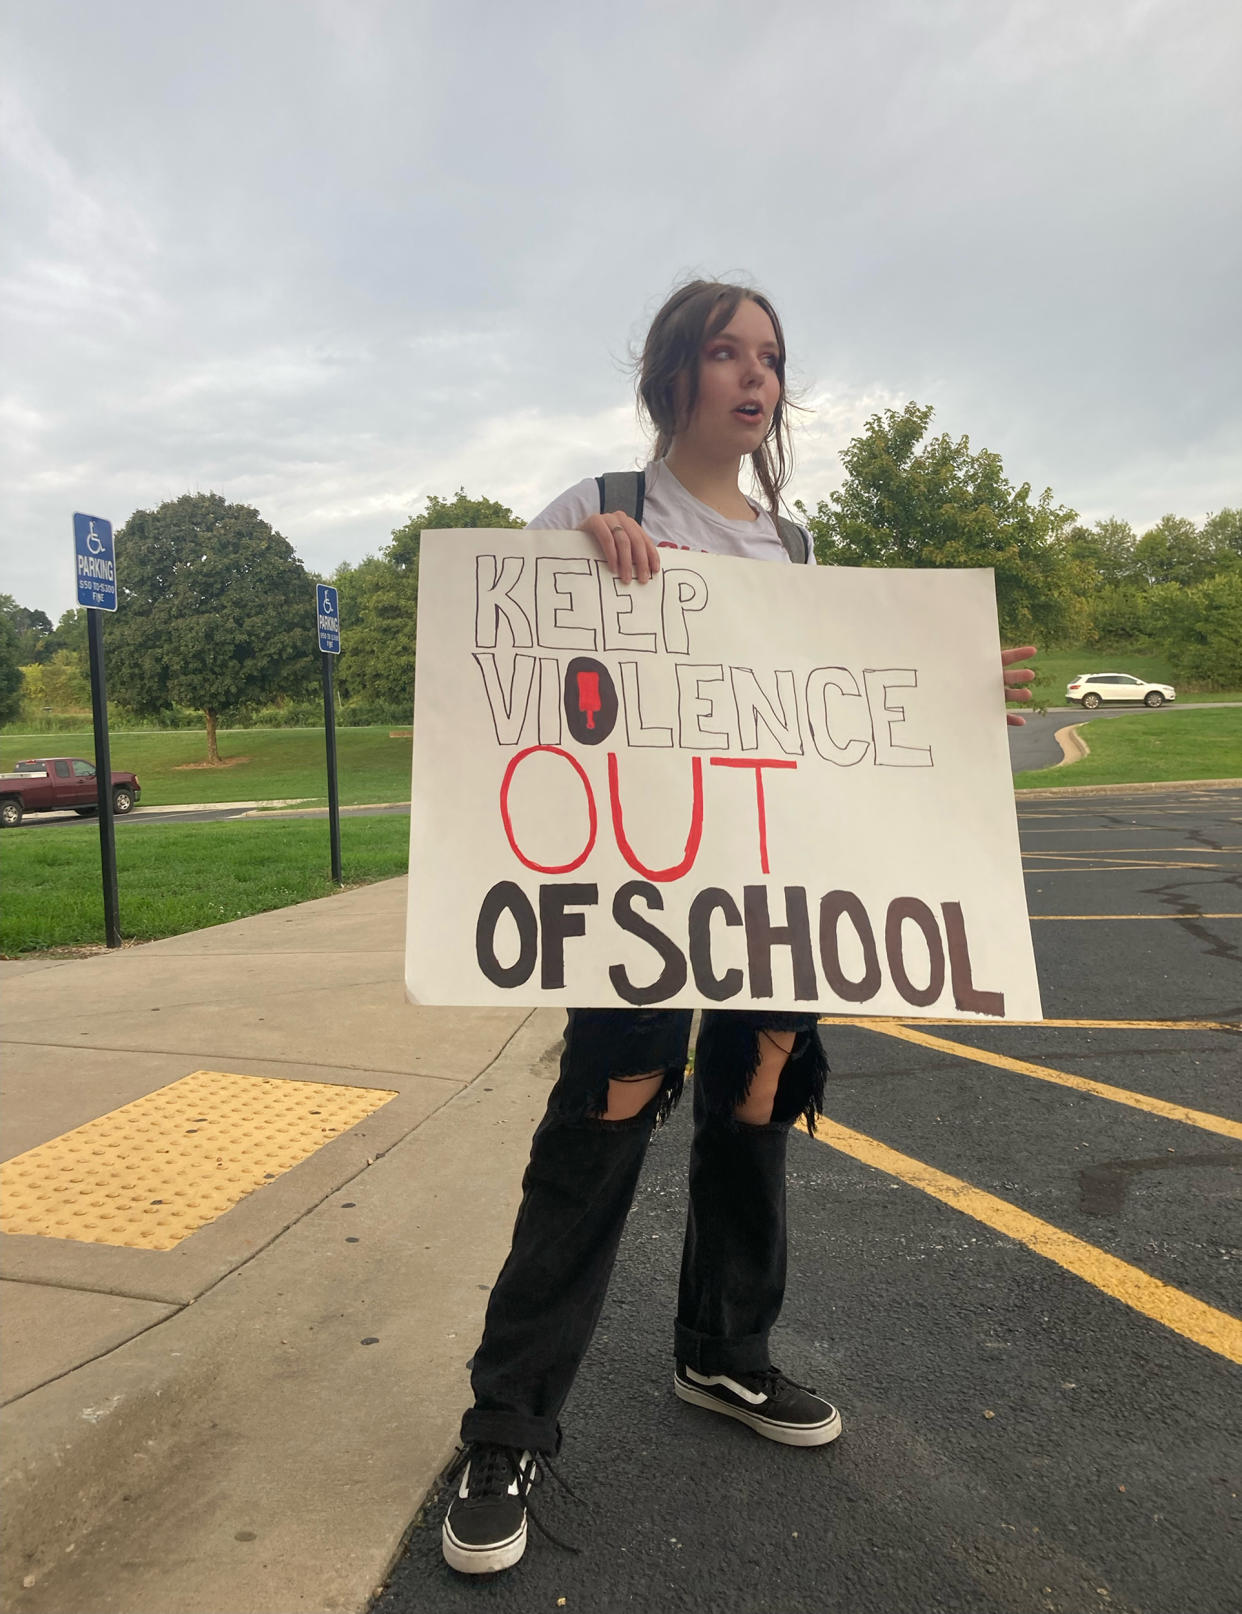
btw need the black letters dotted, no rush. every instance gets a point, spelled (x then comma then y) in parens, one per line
(717, 987)
(506, 895)
(965, 993)
(673, 976)
(762, 935)
(555, 923)
(832, 906)
(899, 910)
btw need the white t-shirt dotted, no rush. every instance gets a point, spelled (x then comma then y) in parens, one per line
(675, 519)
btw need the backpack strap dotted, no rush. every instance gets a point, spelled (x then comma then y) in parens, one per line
(795, 540)
(624, 491)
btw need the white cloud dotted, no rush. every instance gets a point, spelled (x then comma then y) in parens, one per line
(330, 268)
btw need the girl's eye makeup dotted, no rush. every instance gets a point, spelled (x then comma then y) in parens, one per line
(725, 351)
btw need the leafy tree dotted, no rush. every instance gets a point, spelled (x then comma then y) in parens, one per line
(56, 685)
(1105, 550)
(1120, 617)
(32, 628)
(377, 631)
(1200, 628)
(1174, 551)
(379, 598)
(10, 671)
(214, 610)
(70, 634)
(1223, 535)
(909, 503)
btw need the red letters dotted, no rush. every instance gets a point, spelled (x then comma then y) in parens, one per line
(548, 868)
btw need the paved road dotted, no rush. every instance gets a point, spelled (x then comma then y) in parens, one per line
(1020, 1434)
(218, 814)
(1034, 746)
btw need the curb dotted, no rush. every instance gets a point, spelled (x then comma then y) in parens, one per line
(1127, 790)
(276, 810)
(1073, 747)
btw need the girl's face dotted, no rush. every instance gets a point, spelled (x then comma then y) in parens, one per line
(739, 387)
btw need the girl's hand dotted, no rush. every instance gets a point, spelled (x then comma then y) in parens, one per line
(625, 546)
(1014, 681)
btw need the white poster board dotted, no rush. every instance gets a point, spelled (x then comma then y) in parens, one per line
(737, 785)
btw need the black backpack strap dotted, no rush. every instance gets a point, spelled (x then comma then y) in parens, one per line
(795, 540)
(624, 491)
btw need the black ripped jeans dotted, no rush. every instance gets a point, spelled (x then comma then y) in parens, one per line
(578, 1189)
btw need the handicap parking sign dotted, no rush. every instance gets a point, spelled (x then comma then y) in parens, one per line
(94, 562)
(329, 619)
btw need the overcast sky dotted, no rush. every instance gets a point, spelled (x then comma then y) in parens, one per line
(326, 257)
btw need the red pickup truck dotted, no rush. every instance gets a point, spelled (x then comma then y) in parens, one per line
(57, 785)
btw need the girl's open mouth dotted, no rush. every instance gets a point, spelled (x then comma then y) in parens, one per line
(749, 411)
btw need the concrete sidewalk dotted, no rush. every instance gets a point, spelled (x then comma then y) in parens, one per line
(246, 1423)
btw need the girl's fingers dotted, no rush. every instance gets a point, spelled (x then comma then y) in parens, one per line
(626, 548)
(597, 527)
(1015, 681)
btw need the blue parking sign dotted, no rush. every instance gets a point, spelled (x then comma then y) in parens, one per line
(94, 562)
(329, 619)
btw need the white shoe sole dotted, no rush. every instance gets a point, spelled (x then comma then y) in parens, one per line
(482, 1560)
(788, 1434)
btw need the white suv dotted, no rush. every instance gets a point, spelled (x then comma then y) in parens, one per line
(1091, 689)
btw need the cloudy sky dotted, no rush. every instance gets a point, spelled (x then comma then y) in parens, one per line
(328, 256)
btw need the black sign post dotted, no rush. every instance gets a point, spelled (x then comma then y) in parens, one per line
(95, 567)
(329, 622)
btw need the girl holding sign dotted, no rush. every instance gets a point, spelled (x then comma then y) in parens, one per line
(712, 382)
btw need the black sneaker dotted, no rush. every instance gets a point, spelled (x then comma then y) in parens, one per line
(485, 1526)
(771, 1404)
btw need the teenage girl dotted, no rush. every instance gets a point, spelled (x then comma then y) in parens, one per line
(712, 382)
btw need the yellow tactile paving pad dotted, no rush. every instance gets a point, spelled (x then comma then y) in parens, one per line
(147, 1175)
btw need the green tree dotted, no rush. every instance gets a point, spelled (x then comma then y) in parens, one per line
(70, 634)
(1222, 533)
(32, 628)
(1200, 628)
(10, 671)
(909, 503)
(1174, 551)
(379, 599)
(1105, 550)
(56, 685)
(214, 611)
(377, 632)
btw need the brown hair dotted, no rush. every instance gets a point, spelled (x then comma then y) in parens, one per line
(668, 373)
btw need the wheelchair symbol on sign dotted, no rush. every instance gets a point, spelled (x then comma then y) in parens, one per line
(94, 543)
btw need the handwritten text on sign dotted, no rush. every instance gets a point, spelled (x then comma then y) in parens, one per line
(737, 784)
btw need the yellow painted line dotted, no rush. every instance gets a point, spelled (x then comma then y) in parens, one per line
(1136, 851)
(150, 1173)
(1110, 829)
(1172, 1308)
(1119, 868)
(1062, 1078)
(1045, 917)
(879, 1024)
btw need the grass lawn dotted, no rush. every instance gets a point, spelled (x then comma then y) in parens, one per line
(1142, 748)
(1055, 669)
(263, 764)
(171, 879)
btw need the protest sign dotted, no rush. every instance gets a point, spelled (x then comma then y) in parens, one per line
(736, 785)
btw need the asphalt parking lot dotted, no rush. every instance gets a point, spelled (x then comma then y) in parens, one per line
(1015, 1266)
